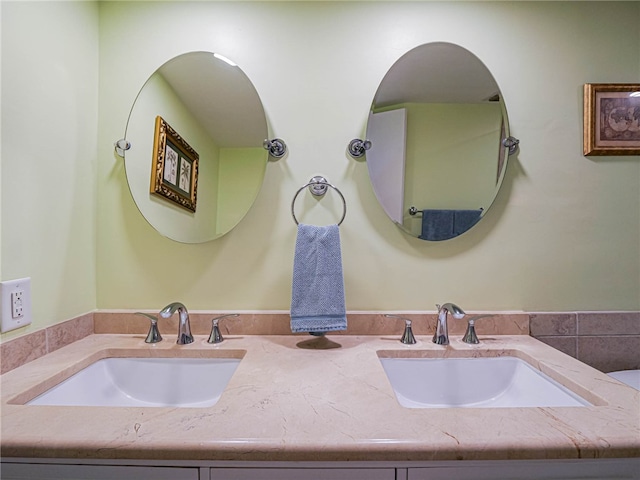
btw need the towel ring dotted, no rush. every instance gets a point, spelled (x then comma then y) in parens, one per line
(318, 186)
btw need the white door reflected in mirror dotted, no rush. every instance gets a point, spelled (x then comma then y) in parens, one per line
(436, 128)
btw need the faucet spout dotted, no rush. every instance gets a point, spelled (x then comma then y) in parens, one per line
(441, 335)
(184, 327)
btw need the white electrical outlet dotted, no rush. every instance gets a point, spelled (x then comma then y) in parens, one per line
(15, 303)
(17, 311)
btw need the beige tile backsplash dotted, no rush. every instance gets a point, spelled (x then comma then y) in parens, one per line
(358, 323)
(21, 350)
(607, 341)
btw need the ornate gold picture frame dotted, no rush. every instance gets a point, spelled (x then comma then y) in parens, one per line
(174, 170)
(611, 119)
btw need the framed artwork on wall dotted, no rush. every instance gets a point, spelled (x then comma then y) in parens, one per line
(611, 119)
(174, 169)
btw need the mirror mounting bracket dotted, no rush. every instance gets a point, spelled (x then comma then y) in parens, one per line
(357, 147)
(511, 143)
(276, 147)
(122, 146)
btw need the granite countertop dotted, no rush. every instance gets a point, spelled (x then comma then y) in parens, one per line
(294, 399)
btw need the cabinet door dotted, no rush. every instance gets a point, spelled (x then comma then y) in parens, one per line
(30, 471)
(303, 474)
(587, 469)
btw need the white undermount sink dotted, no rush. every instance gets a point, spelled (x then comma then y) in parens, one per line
(474, 383)
(144, 382)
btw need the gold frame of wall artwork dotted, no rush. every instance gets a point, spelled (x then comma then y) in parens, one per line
(174, 168)
(611, 119)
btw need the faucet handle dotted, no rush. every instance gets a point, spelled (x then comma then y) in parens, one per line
(407, 336)
(154, 334)
(470, 335)
(216, 336)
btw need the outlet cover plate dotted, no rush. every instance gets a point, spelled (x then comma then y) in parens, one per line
(22, 285)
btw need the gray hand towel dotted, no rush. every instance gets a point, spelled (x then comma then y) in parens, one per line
(463, 220)
(317, 300)
(437, 224)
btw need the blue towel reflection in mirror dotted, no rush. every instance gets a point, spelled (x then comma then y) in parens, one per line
(318, 300)
(445, 224)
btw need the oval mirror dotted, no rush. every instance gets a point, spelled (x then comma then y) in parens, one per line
(196, 161)
(436, 128)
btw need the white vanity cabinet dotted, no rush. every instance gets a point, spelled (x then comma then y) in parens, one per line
(314, 473)
(42, 471)
(584, 469)
(38, 471)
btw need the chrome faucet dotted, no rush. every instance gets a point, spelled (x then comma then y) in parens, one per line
(216, 336)
(184, 327)
(470, 335)
(407, 337)
(441, 336)
(154, 334)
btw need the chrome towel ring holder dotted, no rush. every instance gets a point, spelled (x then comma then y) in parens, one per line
(318, 186)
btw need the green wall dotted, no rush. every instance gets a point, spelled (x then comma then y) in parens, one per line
(240, 177)
(452, 157)
(563, 234)
(158, 98)
(564, 231)
(49, 155)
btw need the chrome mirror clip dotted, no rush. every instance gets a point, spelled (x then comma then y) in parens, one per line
(511, 143)
(122, 146)
(357, 147)
(276, 147)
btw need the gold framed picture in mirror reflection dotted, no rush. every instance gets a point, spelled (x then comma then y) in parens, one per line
(174, 169)
(611, 119)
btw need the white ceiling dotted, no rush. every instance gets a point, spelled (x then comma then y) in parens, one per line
(225, 102)
(436, 73)
(220, 97)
